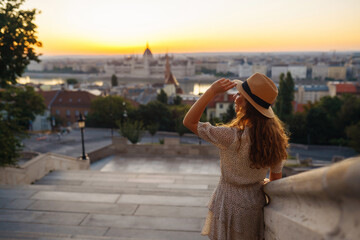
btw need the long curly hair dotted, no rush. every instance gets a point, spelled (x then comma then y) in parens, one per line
(268, 138)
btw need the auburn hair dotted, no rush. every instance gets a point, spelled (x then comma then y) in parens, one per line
(268, 138)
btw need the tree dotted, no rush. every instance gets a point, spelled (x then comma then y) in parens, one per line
(353, 133)
(162, 97)
(155, 112)
(10, 143)
(105, 111)
(71, 81)
(177, 100)
(17, 40)
(132, 130)
(152, 129)
(230, 114)
(22, 104)
(285, 97)
(114, 81)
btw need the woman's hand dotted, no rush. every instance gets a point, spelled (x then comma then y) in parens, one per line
(221, 86)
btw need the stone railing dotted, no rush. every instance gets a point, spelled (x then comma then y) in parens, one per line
(38, 167)
(170, 148)
(319, 204)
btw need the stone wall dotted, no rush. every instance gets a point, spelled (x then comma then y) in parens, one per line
(319, 204)
(38, 167)
(171, 147)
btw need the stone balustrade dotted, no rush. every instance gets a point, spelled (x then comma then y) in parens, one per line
(319, 204)
(38, 167)
(170, 148)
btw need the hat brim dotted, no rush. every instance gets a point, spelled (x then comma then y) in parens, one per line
(267, 112)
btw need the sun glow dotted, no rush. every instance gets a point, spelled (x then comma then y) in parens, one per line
(118, 27)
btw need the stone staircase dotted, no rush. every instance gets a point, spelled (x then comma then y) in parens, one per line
(89, 204)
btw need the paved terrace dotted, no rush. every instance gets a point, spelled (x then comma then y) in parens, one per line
(135, 198)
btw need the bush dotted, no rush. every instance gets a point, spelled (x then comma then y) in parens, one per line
(132, 130)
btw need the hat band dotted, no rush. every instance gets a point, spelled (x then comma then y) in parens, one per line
(256, 99)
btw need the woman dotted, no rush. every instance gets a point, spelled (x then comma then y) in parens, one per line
(249, 145)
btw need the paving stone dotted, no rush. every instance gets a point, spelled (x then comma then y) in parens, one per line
(155, 234)
(41, 217)
(143, 222)
(183, 186)
(59, 182)
(163, 200)
(84, 207)
(150, 180)
(49, 228)
(160, 176)
(172, 211)
(197, 181)
(5, 201)
(16, 193)
(19, 204)
(75, 196)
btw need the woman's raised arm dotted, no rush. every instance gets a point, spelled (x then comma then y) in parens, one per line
(192, 117)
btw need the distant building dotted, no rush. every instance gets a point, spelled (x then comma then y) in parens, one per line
(310, 93)
(245, 70)
(297, 72)
(171, 85)
(219, 105)
(148, 66)
(277, 70)
(257, 68)
(338, 89)
(320, 71)
(337, 72)
(67, 105)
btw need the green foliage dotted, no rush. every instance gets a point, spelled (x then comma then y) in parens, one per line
(10, 142)
(152, 128)
(155, 112)
(283, 106)
(161, 141)
(104, 111)
(297, 128)
(18, 106)
(162, 97)
(353, 133)
(114, 81)
(22, 104)
(180, 128)
(230, 114)
(17, 40)
(132, 130)
(177, 100)
(71, 81)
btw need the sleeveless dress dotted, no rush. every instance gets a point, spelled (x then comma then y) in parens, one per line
(236, 205)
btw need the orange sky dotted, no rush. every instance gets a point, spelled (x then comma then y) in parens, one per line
(92, 27)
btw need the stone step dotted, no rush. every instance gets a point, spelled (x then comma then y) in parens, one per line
(51, 236)
(107, 205)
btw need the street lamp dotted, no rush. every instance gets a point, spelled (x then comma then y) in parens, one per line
(81, 123)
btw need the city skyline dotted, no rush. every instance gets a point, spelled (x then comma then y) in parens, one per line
(117, 27)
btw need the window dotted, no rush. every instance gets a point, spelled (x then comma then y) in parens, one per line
(221, 106)
(57, 112)
(77, 113)
(68, 113)
(70, 99)
(86, 113)
(79, 99)
(60, 99)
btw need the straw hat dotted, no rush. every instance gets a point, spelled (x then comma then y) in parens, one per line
(260, 91)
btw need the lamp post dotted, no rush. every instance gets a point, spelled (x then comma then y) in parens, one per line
(81, 123)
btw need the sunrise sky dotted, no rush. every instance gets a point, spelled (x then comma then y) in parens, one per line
(111, 27)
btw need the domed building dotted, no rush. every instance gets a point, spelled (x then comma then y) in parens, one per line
(148, 66)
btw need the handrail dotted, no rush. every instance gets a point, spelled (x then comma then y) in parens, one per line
(319, 204)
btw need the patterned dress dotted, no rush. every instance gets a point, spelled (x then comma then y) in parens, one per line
(236, 206)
